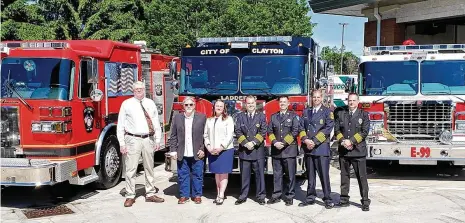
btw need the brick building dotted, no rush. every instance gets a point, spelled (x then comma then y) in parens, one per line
(390, 22)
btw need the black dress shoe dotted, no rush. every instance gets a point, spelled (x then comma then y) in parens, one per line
(343, 204)
(289, 202)
(240, 201)
(306, 203)
(273, 201)
(365, 208)
(329, 205)
(261, 201)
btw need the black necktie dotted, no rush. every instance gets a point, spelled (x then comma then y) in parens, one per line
(350, 114)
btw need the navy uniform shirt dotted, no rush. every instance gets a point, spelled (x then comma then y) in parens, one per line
(251, 130)
(284, 129)
(355, 129)
(317, 127)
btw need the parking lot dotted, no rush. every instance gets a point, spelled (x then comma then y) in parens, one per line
(398, 194)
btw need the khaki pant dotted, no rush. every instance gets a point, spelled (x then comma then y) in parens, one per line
(136, 147)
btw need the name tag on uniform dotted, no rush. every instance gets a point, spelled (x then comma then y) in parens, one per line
(360, 121)
(321, 121)
(288, 120)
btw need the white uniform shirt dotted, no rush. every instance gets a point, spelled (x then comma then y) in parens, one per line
(188, 147)
(131, 119)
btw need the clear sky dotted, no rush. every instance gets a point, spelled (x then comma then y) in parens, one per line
(328, 32)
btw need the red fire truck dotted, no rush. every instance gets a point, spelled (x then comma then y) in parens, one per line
(59, 106)
(230, 68)
(415, 98)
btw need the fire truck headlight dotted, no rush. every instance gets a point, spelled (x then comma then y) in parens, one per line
(376, 128)
(445, 137)
(4, 127)
(460, 126)
(46, 127)
(36, 127)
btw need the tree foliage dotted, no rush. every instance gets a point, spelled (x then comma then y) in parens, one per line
(165, 24)
(333, 56)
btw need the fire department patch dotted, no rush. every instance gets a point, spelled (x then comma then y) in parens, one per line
(158, 90)
(331, 115)
(360, 121)
(321, 121)
(89, 118)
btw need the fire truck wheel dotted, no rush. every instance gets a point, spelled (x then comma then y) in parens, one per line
(110, 167)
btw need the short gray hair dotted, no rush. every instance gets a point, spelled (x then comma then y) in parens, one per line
(188, 98)
(138, 84)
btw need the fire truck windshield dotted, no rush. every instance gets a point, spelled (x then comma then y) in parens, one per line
(389, 78)
(209, 75)
(36, 78)
(442, 77)
(277, 75)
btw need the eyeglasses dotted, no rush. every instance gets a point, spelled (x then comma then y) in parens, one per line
(188, 105)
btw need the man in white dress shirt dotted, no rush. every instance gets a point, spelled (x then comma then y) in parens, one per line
(139, 133)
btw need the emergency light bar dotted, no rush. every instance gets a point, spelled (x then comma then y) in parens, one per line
(377, 50)
(260, 39)
(35, 45)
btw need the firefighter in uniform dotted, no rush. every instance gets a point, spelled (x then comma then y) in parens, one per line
(250, 129)
(351, 129)
(282, 131)
(316, 124)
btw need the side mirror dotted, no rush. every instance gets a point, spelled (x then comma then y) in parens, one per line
(321, 69)
(173, 70)
(92, 67)
(349, 86)
(96, 95)
(174, 85)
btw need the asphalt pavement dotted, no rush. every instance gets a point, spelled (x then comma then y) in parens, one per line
(398, 194)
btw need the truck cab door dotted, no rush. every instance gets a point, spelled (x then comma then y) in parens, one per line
(85, 112)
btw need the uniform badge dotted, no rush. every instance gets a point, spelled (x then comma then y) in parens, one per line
(321, 121)
(360, 121)
(331, 115)
(258, 125)
(288, 120)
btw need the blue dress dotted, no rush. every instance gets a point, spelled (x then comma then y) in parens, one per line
(221, 163)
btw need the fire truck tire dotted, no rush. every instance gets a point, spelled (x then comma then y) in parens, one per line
(110, 167)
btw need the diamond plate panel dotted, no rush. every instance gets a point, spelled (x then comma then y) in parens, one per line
(64, 170)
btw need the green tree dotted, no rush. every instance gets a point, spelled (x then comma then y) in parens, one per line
(166, 24)
(173, 24)
(63, 19)
(333, 56)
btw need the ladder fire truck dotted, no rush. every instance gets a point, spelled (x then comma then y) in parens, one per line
(59, 106)
(230, 68)
(415, 96)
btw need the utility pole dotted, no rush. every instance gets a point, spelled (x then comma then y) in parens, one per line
(342, 44)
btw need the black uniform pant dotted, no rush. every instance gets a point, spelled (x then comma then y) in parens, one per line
(283, 166)
(320, 165)
(258, 167)
(360, 169)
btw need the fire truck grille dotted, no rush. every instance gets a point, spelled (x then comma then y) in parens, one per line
(424, 121)
(9, 130)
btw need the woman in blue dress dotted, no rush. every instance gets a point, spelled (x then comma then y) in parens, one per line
(218, 136)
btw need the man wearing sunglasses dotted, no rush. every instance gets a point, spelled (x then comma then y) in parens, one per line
(139, 133)
(187, 147)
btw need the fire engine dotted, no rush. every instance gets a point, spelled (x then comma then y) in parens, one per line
(415, 96)
(230, 68)
(59, 106)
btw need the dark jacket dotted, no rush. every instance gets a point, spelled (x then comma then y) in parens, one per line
(253, 130)
(284, 130)
(177, 141)
(317, 127)
(355, 129)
